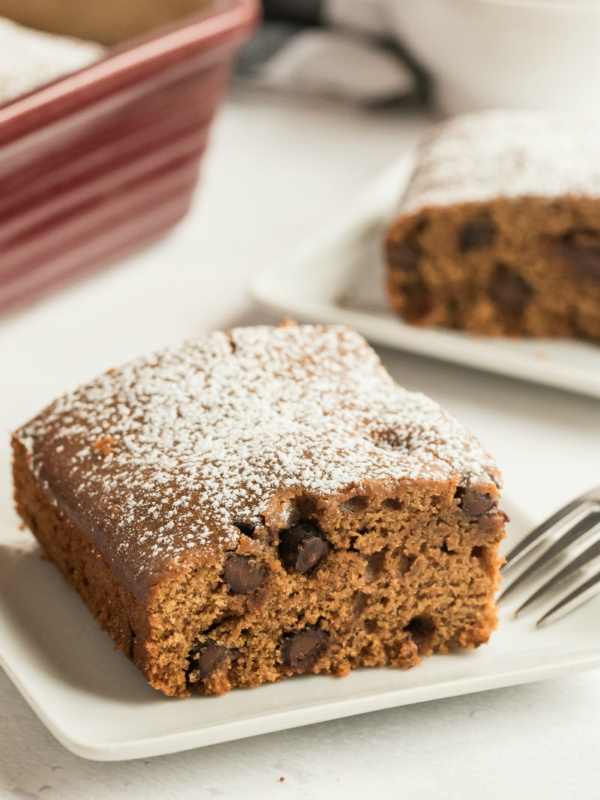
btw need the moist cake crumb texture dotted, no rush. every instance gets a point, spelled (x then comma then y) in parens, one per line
(498, 231)
(251, 505)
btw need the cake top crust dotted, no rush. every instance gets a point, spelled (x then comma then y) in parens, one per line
(505, 154)
(160, 460)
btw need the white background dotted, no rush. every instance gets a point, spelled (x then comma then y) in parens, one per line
(272, 174)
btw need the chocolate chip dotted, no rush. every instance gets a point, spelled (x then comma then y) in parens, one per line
(422, 630)
(354, 504)
(405, 259)
(301, 650)
(475, 235)
(586, 261)
(205, 657)
(405, 564)
(478, 552)
(302, 546)
(375, 566)
(474, 504)
(311, 552)
(419, 300)
(242, 576)
(246, 528)
(359, 603)
(511, 292)
(371, 626)
(405, 256)
(582, 251)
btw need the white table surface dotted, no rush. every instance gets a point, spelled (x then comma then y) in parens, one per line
(273, 172)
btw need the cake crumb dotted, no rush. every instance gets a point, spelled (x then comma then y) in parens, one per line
(104, 445)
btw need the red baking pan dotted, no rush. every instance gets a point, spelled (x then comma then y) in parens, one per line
(101, 162)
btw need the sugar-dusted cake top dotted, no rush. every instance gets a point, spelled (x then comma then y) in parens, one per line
(30, 58)
(159, 459)
(482, 156)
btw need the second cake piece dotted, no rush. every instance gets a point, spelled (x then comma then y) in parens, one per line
(499, 230)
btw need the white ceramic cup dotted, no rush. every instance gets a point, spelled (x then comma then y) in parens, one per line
(505, 53)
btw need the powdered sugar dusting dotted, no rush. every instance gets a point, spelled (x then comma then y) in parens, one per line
(30, 58)
(159, 459)
(491, 154)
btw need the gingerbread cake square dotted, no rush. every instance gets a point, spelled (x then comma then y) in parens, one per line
(264, 502)
(498, 232)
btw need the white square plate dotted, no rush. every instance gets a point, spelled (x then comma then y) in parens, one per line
(336, 276)
(99, 706)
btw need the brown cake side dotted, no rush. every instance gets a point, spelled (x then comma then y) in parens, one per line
(499, 232)
(399, 563)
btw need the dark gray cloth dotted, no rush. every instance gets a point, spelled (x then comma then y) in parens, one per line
(313, 47)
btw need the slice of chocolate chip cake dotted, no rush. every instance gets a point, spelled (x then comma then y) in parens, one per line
(499, 229)
(261, 503)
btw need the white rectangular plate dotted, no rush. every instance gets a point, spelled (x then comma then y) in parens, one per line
(100, 707)
(336, 276)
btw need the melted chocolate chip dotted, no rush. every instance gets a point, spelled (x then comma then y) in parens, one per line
(405, 256)
(302, 546)
(474, 504)
(242, 576)
(301, 650)
(475, 235)
(509, 291)
(204, 658)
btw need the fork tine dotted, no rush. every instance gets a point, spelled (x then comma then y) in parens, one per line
(582, 560)
(593, 495)
(545, 530)
(575, 532)
(577, 598)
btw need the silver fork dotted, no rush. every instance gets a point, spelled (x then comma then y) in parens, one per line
(565, 550)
